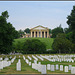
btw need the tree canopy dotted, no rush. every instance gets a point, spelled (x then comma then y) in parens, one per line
(61, 44)
(71, 23)
(6, 34)
(27, 30)
(57, 30)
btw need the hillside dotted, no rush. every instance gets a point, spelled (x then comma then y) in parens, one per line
(47, 41)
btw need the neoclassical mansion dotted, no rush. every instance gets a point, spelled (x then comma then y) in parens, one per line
(38, 31)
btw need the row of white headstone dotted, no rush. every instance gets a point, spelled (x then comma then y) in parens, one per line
(27, 61)
(40, 58)
(57, 67)
(39, 67)
(42, 68)
(29, 58)
(56, 58)
(35, 57)
(52, 67)
(6, 63)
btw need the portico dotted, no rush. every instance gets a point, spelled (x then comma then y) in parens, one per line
(40, 31)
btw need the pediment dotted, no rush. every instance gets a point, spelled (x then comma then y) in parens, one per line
(39, 28)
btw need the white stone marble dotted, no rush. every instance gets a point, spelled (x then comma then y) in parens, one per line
(72, 70)
(43, 70)
(1, 59)
(70, 67)
(35, 61)
(39, 67)
(39, 62)
(57, 66)
(66, 68)
(6, 58)
(18, 67)
(48, 66)
(1, 64)
(61, 67)
(29, 63)
(52, 68)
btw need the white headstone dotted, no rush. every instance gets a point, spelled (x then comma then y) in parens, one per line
(39, 62)
(61, 67)
(57, 67)
(1, 64)
(1, 59)
(6, 58)
(29, 63)
(33, 65)
(72, 70)
(70, 67)
(43, 70)
(66, 68)
(18, 67)
(4, 63)
(52, 67)
(9, 63)
(39, 67)
(19, 56)
(48, 66)
(35, 61)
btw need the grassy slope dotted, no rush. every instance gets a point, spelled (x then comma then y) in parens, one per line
(48, 41)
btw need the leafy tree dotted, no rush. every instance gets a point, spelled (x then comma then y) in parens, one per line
(6, 34)
(57, 30)
(67, 30)
(71, 23)
(21, 33)
(50, 31)
(61, 44)
(34, 46)
(27, 30)
(5, 15)
(16, 34)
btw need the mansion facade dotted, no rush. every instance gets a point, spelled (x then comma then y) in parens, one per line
(38, 31)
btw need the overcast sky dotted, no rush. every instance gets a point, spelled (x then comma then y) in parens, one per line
(28, 14)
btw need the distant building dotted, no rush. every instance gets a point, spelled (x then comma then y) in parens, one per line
(38, 31)
(26, 35)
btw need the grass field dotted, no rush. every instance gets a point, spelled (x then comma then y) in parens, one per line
(26, 69)
(47, 41)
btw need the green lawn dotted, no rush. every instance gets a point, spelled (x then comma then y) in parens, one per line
(47, 41)
(26, 69)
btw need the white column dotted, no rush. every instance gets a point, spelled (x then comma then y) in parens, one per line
(31, 33)
(41, 33)
(34, 34)
(44, 34)
(47, 34)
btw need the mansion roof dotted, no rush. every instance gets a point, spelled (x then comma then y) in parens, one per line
(39, 28)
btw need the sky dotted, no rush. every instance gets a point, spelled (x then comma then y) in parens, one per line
(29, 14)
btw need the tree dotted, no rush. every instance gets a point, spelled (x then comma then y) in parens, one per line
(67, 30)
(57, 30)
(71, 23)
(27, 30)
(61, 44)
(50, 31)
(5, 15)
(34, 46)
(21, 33)
(6, 34)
